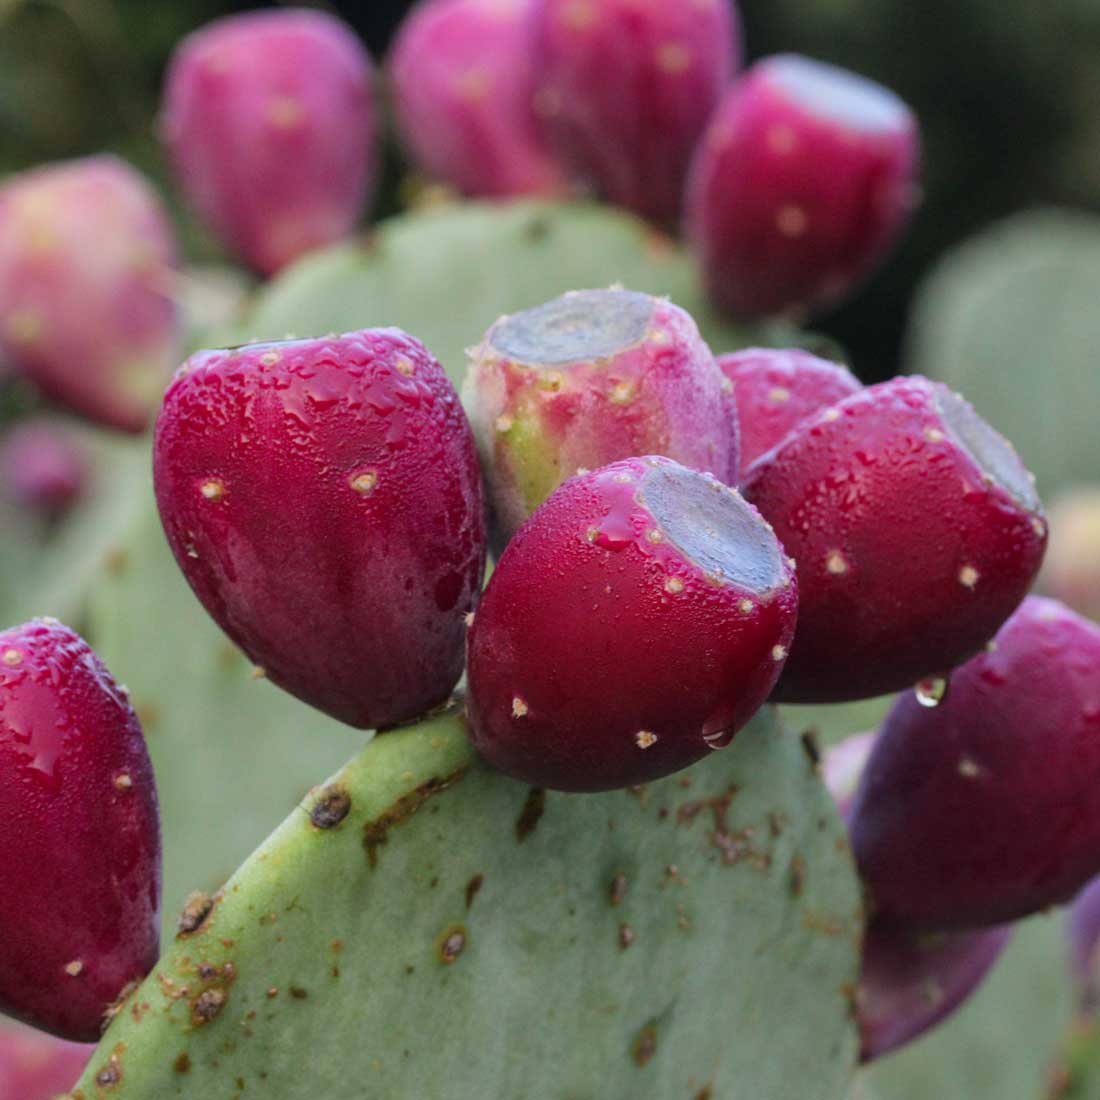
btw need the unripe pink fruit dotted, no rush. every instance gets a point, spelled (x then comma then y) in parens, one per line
(464, 86)
(843, 766)
(805, 177)
(80, 881)
(1071, 569)
(626, 88)
(917, 532)
(43, 468)
(586, 379)
(324, 501)
(87, 263)
(637, 620)
(270, 124)
(36, 1066)
(983, 809)
(777, 388)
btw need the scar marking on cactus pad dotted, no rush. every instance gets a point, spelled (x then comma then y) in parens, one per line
(182, 1064)
(617, 890)
(110, 1074)
(208, 1006)
(645, 1045)
(376, 832)
(13, 657)
(330, 809)
(533, 808)
(472, 888)
(196, 911)
(626, 936)
(811, 746)
(451, 943)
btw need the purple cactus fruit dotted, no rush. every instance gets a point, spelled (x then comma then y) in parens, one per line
(270, 125)
(637, 620)
(804, 178)
(1083, 933)
(36, 1066)
(43, 468)
(980, 808)
(916, 529)
(80, 896)
(1071, 568)
(586, 379)
(87, 264)
(323, 499)
(777, 388)
(626, 88)
(463, 87)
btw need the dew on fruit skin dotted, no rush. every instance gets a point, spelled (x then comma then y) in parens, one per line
(718, 739)
(931, 691)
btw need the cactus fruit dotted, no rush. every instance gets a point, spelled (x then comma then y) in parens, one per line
(804, 178)
(463, 85)
(43, 468)
(843, 766)
(917, 532)
(35, 1066)
(980, 809)
(626, 88)
(634, 624)
(87, 262)
(270, 125)
(775, 388)
(324, 501)
(1071, 568)
(1083, 931)
(592, 377)
(80, 902)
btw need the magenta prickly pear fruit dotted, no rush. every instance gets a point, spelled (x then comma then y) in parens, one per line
(324, 501)
(1083, 931)
(35, 1066)
(1071, 569)
(981, 809)
(626, 88)
(916, 529)
(80, 896)
(87, 264)
(43, 468)
(589, 378)
(776, 388)
(804, 178)
(842, 767)
(637, 620)
(270, 124)
(463, 87)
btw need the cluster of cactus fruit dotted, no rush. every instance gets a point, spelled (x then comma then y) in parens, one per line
(678, 537)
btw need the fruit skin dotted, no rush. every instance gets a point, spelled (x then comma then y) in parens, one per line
(981, 810)
(324, 501)
(909, 556)
(776, 388)
(87, 259)
(790, 206)
(1071, 569)
(1083, 934)
(80, 904)
(538, 422)
(43, 468)
(270, 126)
(463, 86)
(626, 88)
(35, 1066)
(592, 636)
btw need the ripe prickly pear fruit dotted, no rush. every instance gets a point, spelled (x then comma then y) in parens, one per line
(35, 1066)
(1071, 569)
(626, 88)
(324, 501)
(87, 263)
(43, 468)
(463, 88)
(842, 767)
(80, 896)
(1083, 933)
(804, 178)
(589, 378)
(637, 620)
(981, 809)
(916, 530)
(777, 388)
(270, 125)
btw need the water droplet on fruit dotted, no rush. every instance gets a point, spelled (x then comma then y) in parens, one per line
(718, 739)
(931, 691)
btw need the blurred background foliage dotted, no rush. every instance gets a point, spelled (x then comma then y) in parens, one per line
(1008, 92)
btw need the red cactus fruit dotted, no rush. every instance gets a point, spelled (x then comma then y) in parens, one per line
(43, 468)
(626, 88)
(87, 261)
(463, 83)
(1071, 569)
(324, 501)
(270, 124)
(777, 388)
(635, 623)
(589, 378)
(35, 1066)
(981, 809)
(804, 178)
(916, 530)
(80, 897)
